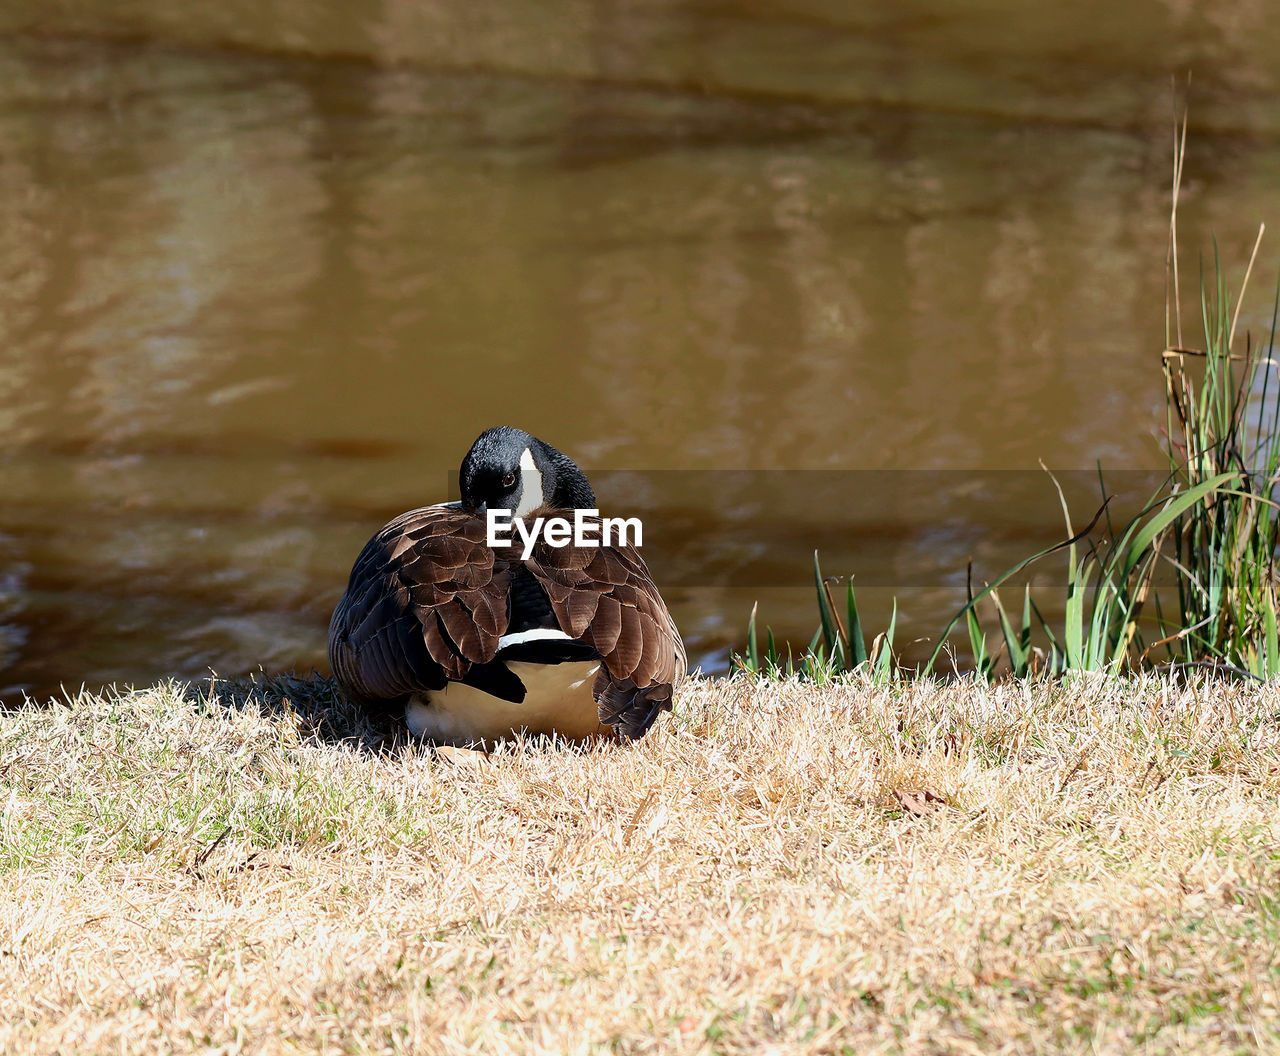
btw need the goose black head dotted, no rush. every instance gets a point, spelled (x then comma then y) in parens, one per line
(507, 469)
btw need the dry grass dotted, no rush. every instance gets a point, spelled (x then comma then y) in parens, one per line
(763, 874)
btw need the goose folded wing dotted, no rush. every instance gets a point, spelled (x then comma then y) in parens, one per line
(426, 603)
(603, 596)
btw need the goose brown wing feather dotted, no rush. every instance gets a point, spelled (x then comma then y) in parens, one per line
(426, 600)
(605, 597)
(607, 625)
(628, 653)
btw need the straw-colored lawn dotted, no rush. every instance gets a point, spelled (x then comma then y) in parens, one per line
(775, 869)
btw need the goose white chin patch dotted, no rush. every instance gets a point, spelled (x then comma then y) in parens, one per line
(530, 485)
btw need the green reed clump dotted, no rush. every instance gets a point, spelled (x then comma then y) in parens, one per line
(838, 646)
(1224, 421)
(1109, 582)
(1212, 521)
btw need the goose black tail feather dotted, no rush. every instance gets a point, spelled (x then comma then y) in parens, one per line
(496, 679)
(628, 708)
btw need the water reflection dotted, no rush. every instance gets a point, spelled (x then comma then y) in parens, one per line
(266, 276)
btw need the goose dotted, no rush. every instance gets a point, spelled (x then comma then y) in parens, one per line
(483, 642)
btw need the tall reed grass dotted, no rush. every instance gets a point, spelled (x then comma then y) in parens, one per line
(1212, 522)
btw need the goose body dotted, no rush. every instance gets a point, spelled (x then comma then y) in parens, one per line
(481, 642)
(559, 699)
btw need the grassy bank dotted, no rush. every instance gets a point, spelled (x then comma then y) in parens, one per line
(1089, 866)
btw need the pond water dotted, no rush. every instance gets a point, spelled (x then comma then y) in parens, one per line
(827, 279)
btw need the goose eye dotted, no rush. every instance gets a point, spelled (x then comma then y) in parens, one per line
(509, 480)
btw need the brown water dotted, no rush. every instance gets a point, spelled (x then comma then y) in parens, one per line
(265, 271)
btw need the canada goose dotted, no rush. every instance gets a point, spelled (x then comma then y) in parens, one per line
(480, 642)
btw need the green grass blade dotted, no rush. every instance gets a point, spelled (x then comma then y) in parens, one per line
(1012, 640)
(830, 626)
(884, 649)
(1057, 654)
(857, 640)
(753, 648)
(1158, 521)
(1271, 643)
